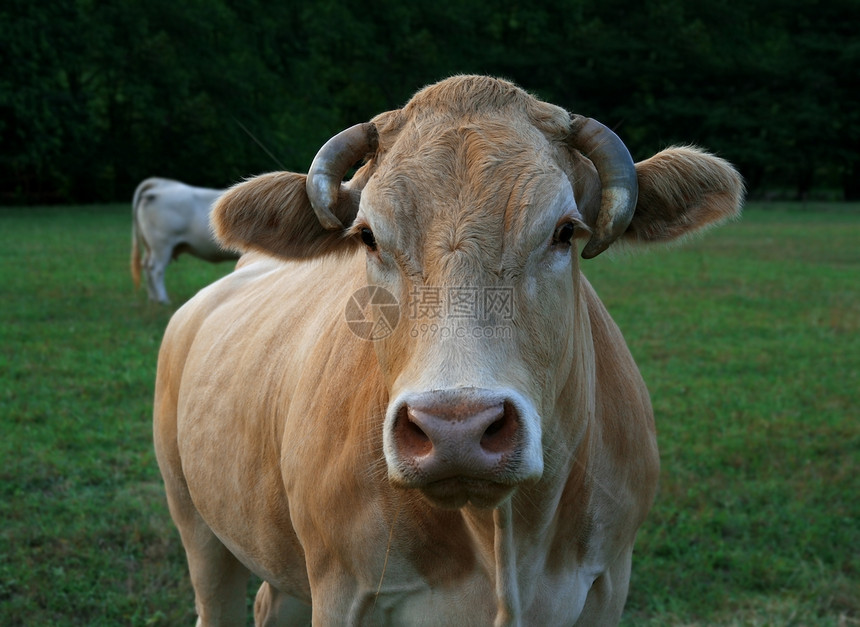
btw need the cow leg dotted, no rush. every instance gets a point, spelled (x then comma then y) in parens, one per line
(154, 266)
(605, 601)
(219, 579)
(273, 608)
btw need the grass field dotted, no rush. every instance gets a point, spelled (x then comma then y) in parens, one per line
(749, 340)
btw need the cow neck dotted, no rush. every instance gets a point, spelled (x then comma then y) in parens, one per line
(494, 538)
(504, 550)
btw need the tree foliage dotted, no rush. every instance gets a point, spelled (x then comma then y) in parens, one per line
(95, 96)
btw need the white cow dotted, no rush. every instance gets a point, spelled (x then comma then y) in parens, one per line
(168, 219)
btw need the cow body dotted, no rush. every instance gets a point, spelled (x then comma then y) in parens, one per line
(169, 218)
(494, 473)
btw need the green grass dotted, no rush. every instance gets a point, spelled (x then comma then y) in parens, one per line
(750, 343)
(86, 538)
(749, 340)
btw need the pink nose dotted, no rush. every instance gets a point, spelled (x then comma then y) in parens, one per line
(454, 433)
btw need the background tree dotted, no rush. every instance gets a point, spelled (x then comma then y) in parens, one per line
(95, 96)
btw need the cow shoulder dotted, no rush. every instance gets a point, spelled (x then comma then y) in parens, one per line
(271, 213)
(683, 190)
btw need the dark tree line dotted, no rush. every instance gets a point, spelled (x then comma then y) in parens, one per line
(97, 95)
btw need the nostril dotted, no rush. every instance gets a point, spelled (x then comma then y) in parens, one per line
(495, 427)
(411, 438)
(459, 433)
(500, 435)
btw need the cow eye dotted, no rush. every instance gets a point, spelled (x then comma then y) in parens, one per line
(368, 238)
(563, 234)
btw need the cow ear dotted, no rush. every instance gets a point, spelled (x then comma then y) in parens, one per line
(683, 190)
(271, 213)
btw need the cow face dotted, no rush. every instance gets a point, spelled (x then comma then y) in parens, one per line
(473, 230)
(468, 210)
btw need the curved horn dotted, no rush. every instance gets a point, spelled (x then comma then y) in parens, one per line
(330, 165)
(617, 179)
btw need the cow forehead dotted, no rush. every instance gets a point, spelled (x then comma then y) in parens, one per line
(463, 172)
(470, 234)
(477, 172)
(466, 146)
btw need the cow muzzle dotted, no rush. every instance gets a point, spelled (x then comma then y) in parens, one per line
(465, 445)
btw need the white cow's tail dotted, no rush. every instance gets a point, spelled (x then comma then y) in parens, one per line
(136, 236)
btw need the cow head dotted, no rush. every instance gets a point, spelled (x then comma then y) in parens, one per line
(470, 207)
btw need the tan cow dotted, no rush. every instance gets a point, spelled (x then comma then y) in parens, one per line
(170, 218)
(412, 408)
